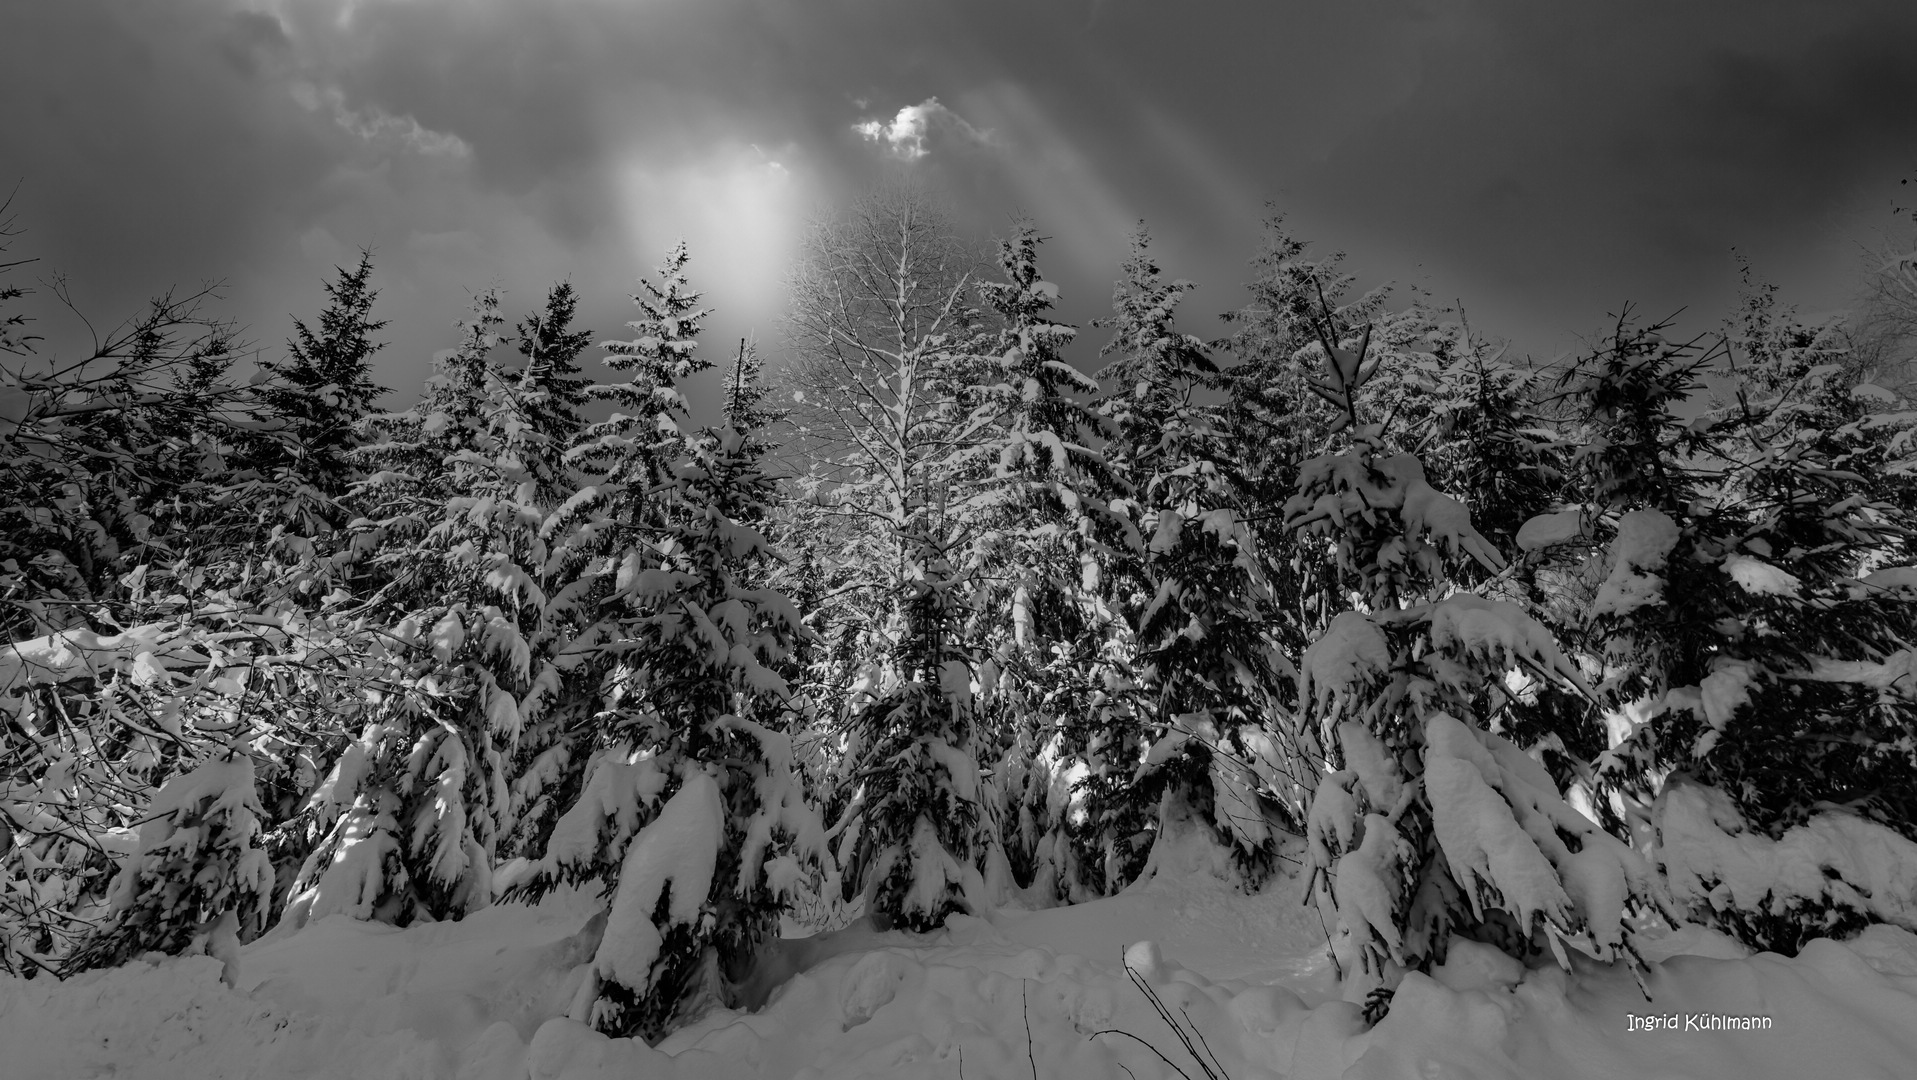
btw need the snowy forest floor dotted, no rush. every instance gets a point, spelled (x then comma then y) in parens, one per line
(1248, 974)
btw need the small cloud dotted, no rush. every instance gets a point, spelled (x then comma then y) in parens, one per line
(908, 133)
(773, 166)
(375, 124)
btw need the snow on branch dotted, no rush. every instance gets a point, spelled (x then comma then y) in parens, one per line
(1512, 842)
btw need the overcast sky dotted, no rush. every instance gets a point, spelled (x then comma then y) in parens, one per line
(1542, 162)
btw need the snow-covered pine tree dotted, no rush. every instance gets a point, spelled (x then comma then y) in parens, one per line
(623, 466)
(1484, 436)
(1753, 628)
(632, 451)
(1272, 420)
(449, 416)
(920, 835)
(320, 392)
(1270, 403)
(1276, 423)
(700, 700)
(550, 392)
(1038, 496)
(690, 813)
(414, 808)
(1205, 750)
(412, 457)
(542, 426)
(744, 407)
(198, 878)
(1488, 438)
(1432, 825)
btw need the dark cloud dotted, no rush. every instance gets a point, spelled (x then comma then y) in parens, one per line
(1770, 134)
(145, 146)
(1542, 162)
(1557, 164)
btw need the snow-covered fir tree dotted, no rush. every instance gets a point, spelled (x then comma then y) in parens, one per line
(1199, 750)
(689, 811)
(541, 421)
(918, 837)
(632, 450)
(321, 391)
(486, 576)
(550, 392)
(1750, 622)
(1432, 825)
(1038, 495)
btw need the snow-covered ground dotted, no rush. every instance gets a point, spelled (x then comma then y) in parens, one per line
(1246, 976)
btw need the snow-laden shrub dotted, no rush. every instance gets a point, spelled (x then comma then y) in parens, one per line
(198, 878)
(657, 910)
(1028, 796)
(1432, 825)
(94, 723)
(1828, 877)
(404, 820)
(1751, 642)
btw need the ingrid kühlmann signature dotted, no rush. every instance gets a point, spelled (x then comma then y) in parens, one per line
(1695, 1022)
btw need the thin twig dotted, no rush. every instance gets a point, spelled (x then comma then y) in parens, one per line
(1025, 1008)
(1146, 1045)
(1202, 1041)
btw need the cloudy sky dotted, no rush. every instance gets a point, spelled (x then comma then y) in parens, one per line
(1544, 163)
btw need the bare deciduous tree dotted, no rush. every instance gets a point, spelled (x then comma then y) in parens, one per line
(879, 300)
(1884, 338)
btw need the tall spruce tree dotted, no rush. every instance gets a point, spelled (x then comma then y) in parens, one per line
(405, 823)
(325, 385)
(1196, 596)
(550, 391)
(689, 813)
(1039, 495)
